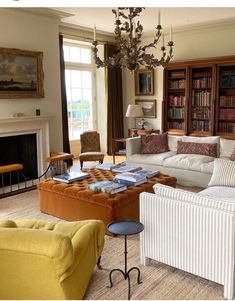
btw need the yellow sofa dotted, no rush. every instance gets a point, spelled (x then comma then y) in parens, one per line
(48, 260)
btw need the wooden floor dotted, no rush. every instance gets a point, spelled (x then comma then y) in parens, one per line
(160, 281)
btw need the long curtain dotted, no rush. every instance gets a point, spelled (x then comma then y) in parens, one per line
(65, 125)
(114, 100)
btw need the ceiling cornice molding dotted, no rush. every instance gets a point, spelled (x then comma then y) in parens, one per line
(85, 33)
(200, 27)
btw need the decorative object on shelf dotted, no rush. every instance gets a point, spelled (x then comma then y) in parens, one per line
(144, 82)
(148, 106)
(143, 123)
(23, 75)
(134, 111)
(129, 50)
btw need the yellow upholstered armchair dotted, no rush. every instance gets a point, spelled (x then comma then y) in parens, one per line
(48, 260)
(90, 147)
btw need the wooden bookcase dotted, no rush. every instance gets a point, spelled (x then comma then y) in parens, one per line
(199, 97)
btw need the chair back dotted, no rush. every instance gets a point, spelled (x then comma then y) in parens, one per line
(90, 142)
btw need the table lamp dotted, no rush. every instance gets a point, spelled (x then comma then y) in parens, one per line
(134, 111)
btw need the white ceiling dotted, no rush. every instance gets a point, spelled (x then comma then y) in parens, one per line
(103, 17)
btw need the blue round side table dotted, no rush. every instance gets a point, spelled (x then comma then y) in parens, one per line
(125, 227)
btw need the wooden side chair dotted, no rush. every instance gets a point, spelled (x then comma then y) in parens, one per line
(90, 147)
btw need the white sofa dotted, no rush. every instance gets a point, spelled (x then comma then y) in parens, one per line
(189, 169)
(194, 232)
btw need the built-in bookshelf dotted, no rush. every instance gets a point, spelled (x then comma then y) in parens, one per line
(176, 99)
(226, 103)
(199, 97)
(200, 100)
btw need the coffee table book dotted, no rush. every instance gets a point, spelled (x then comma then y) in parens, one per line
(107, 166)
(130, 183)
(107, 186)
(71, 176)
(149, 173)
(126, 168)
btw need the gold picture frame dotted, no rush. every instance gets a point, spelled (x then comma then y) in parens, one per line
(21, 73)
(149, 107)
(144, 82)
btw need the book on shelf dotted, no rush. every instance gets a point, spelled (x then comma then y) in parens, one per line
(177, 73)
(126, 168)
(107, 187)
(148, 173)
(177, 100)
(227, 100)
(71, 176)
(177, 84)
(204, 82)
(107, 166)
(227, 114)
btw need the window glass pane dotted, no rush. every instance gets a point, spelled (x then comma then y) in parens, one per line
(85, 56)
(68, 94)
(87, 95)
(75, 54)
(77, 95)
(67, 78)
(66, 53)
(75, 79)
(86, 79)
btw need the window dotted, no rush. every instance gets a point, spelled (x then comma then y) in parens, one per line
(79, 77)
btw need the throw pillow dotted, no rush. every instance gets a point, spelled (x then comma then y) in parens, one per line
(223, 173)
(232, 157)
(154, 144)
(210, 139)
(226, 147)
(206, 149)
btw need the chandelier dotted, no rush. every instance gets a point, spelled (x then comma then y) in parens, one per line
(129, 52)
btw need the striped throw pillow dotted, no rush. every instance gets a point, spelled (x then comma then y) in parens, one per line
(223, 173)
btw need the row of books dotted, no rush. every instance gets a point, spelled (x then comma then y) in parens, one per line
(177, 101)
(200, 125)
(227, 114)
(227, 127)
(201, 98)
(175, 113)
(204, 82)
(177, 73)
(227, 101)
(177, 84)
(201, 113)
(176, 125)
(227, 81)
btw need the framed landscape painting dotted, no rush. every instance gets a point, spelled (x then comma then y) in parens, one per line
(148, 107)
(21, 74)
(144, 82)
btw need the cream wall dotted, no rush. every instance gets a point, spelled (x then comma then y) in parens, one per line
(37, 33)
(190, 43)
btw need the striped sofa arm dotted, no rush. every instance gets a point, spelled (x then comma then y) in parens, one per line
(189, 236)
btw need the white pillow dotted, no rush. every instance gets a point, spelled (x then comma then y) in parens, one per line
(223, 173)
(172, 142)
(210, 139)
(226, 147)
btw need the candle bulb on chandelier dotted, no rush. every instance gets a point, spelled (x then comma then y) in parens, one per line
(159, 17)
(171, 33)
(134, 28)
(94, 33)
(163, 40)
(117, 13)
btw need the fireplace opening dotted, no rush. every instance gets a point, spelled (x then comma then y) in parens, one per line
(20, 149)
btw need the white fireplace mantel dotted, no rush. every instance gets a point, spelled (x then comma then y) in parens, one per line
(39, 125)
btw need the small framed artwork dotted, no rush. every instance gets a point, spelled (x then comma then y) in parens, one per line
(148, 106)
(144, 82)
(21, 73)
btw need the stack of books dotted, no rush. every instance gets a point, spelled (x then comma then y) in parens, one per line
(126, 168)
(107, 166)
(71, 176)
(130, 179)
(107, 186)
(149, 173)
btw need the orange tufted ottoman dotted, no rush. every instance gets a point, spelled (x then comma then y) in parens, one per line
(76, 202)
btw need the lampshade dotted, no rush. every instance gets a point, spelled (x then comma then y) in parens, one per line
(134, 111)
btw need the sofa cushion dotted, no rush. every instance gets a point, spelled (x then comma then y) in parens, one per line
(154, 144)
(207, 167)
(223, 173)
(207, 149)
(226, 147)
(152, 159)
(220, 192)
(211, 139)
(194, 198)
(232, 157)
(187, 161)
(172, 142)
